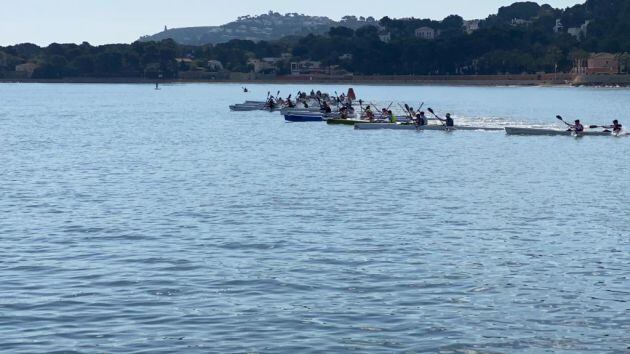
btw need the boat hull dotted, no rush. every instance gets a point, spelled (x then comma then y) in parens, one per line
(555, 132)
(304, 118)
(394, 126)
(338, 121)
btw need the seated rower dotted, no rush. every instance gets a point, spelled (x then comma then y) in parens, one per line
(326, 108)
(449, 121)
(392, 117)
(577, 127)
(616, 127)
(368, 114)
(384, 114)
(271, 103)
(343, 112)
(421, 119)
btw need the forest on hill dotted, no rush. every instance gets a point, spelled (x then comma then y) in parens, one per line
(521, 38)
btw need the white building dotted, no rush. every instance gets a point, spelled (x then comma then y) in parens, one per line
(471, 26)
(27, 69)
(346, 56)
(579, 32)
(558, 27)
(425, 33)
(215, 65)
(385, 37)
(516, 22)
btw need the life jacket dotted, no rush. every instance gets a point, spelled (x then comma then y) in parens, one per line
(579, 127)
(450, 122)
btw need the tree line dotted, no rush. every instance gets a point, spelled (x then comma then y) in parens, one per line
(499, 46)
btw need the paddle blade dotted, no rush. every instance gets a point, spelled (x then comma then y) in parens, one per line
(430, 110)
(594, 126)
(559, 117)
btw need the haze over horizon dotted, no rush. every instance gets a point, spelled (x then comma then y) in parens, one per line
(124, 21)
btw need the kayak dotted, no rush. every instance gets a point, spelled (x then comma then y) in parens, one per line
(340, 121)
(314, 117)
(296, 110)
(246, 107)
(304, 117)
(395, 126)
(556, 132)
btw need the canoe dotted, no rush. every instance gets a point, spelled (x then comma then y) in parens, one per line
(304, 117)
(296, 110)
(345, 121)
(395, 126)
(556, 132)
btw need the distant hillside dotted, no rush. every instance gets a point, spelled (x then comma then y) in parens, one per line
(269, 26)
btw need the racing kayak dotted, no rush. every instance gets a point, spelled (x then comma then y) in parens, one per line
(340, 121)
(304, 117)
(395, 126)
(313, 117)
(555, 132)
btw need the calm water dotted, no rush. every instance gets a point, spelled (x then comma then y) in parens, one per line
(135, 220)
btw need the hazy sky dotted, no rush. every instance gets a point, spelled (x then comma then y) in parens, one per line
(123, 21)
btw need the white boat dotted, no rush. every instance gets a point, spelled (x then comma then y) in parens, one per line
(556, 132)
(397, 126)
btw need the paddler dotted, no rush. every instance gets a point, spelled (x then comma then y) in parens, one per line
(384, 114)
(271, 104)
(392, 117)
(421, 119)
(326, 108)
(616, 127)
(449, 120)
(344, 113)
(368, 114)
(577, 127)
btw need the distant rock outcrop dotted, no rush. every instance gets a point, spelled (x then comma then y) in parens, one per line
(270, 26)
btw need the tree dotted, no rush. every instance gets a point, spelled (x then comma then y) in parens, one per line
(341, 32)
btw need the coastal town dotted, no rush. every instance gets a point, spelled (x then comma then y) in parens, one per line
(293, 47)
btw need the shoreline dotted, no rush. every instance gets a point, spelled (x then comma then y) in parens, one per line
(479, 81)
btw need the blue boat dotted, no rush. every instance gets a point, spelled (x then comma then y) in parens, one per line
(304, 117)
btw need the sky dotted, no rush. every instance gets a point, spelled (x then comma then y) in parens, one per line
(123, 21)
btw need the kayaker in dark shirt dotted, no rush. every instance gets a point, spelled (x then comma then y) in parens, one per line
(578, 127)
(271, 103)
(449, 121)
(616, 127)
(326, 108)
(421, 119)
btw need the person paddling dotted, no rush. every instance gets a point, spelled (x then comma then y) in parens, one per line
(368, 114)
(616, 127)
(578, 127)
(392, 117)
(421, 119)
(449, 121)
(326, 108)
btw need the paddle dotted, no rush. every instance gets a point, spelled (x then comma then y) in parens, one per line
(443, 121)
(338, 100)
(563, 121)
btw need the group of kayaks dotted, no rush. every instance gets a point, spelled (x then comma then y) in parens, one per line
(340, 110)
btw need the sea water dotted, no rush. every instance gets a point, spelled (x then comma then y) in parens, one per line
(140, 220)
